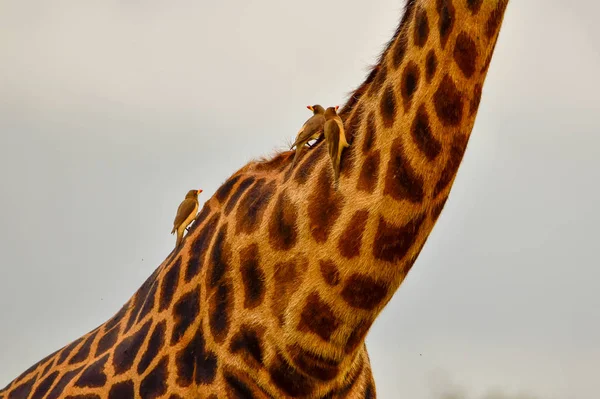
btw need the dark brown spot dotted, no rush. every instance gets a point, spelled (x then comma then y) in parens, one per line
(318, 318)
(122, 390)
(22, 391)
(140, 298)
(61, 384)
(185, 312)
(474, 5)
(252, 277)
(236, 388)
(351, 239)
(422, 135)
(252, 206)
(370, 390)
(401, 180)
(399, 51)
(289, 380)
(247, 343)
(456, 154)
(324, 206)
(313, 365)
(304, 171)
(149, 302)
(475, 99)
(369, 173)
(495, 19)
(465, 54)
(435, 212)
(44, 386)
(235, 197)
(221, 307)
(369, 138)
(421, 27)
(169, 284)
(282, 224)
(387, 107)
(379, 80)
(48, 367)
(448, 102)
(357, 336)
(277, 163)
(116, 319)
(200, 247)
(86, 396)
(330, 272)
(63, 355)
(155, 383)
(93, 376)
(84, 351)
(391, 243)
(410, 82)
(364, 292)
(220, 257)
(430, 65)
(127, 350)
(155, 344)
(223, 191)
(195, 363)
(286, 277)
(350, 381)
(446, 13)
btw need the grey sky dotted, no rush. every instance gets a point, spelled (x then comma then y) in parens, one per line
(111, 110)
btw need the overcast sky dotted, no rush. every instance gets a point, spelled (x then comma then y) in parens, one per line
(111, 110)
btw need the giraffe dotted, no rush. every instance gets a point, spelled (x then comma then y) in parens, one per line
(277, 283)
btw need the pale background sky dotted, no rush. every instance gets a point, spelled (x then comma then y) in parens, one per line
(111, 110)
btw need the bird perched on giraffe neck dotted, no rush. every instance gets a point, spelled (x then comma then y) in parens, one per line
(311, 130)
(335, 136)
(185, 214)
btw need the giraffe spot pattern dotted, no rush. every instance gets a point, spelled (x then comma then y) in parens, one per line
(236, 389)
(430, 66)
(93, 376)
(475, 99)
(149, 302)
(457, 150)
(391, 243)
(61, 384)
(84, 350)
(253, 278)
(107, 341)
(369, 173)
(116, 319)
(305, 169)
(127, 350)
(283, 233)
(220, 257)
(352, 125)
(330, 272)
(493, 23)
(288, 379)
(380, 77)
(221, 304)
(247, 343)
(351, 380)
(235, 197)
(252, 206)
(169, 285)
(474, 6)
(63, 355)
(278, 163)
(318, 318)
(313, 365)
(421, 33)
(223, 192)
(486, 65)
(140, 298)
(47, 368)
(286, 278)
(370, 390)
(437, 210)
(200, 218)
(399, 51)
(448, 102)
(364, 292)
(410, 82)
(401, 180)
(446, 13)
(155, 344)
(465, 54)
(357, 336)
(195, 363)
(387, 107)
(348, 157)
(155, 383)
(370, 130)
(324, 207)
(44, 386)
(185, 312)
(351, 239)
(122, 390)
(23, 390)
(86, 396)
(422, 135)
(200, 247)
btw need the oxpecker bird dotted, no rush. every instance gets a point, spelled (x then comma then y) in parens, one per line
(185, 214)
(311, 130)
(335, 137)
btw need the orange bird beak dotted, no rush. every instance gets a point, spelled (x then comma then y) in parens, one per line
(336, 107)
(310, 107)
(199, 191)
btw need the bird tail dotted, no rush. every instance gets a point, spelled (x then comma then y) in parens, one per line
(173, 231)
(298, 151)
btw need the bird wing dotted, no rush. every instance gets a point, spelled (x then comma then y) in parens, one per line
(343, 141)
(332, 135)
(186, 207)
(309, 129)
